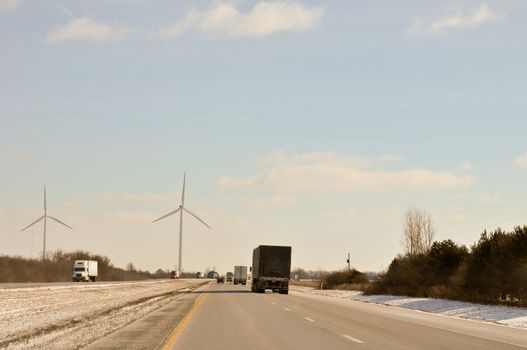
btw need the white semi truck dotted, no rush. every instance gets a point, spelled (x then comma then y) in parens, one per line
(240, 275)
(85, 270)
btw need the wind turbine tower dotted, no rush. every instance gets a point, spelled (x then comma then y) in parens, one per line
(181, 209)
(45, 218)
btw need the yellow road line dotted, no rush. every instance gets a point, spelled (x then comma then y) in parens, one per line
(182, 324)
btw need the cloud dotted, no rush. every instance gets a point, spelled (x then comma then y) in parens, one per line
(467, 166)
(126, 197)
(489, 198)
(74, 202)
(224, 20)
(482, 15)
(269, 202)
(64, 10)
(451, 215)
(133, 216)
(348, 214)
(326, 157)
(382, 214)
(237, 221)
(8, 4)
(319, 172)
(144, 197)
(107, 197)
(87, 29)
(521, 161)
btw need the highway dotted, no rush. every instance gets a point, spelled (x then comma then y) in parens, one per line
(231, 317)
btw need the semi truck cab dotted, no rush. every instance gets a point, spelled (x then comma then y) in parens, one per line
(84, 271)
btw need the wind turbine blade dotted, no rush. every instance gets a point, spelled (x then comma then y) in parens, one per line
(194, 215)
(183, 193)
(45, 204)
(60, 222)
(171, 213)
(34, 222)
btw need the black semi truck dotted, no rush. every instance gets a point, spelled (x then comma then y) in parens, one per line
(271, 269)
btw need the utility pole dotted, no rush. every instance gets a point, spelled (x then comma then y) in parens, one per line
(349, 263)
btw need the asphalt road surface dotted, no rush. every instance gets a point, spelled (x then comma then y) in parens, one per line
(231, 317)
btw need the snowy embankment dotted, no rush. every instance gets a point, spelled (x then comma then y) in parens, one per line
(60, 317)
(505, 315)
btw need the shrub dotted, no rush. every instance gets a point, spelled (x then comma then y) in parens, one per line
(58, 268)
(493, 271)
(343, 277)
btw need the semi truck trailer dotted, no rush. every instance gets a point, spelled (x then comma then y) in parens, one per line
(85, 270)
(271, 269)
(240, 275)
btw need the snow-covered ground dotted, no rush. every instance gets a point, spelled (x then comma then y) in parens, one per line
(505, 315)
(59, 317)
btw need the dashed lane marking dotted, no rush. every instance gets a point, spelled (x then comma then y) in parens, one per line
(355, 340)
(309, 319)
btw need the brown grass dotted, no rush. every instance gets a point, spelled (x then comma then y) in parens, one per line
(58, 268)
(305, 283)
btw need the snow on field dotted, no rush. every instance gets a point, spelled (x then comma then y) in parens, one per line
(58, 317)
(505, 315)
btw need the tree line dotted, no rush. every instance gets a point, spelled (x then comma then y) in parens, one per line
(58, 268)
(493, 270)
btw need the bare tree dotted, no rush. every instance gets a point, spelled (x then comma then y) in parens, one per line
(130, 267)
(58, 255)
(418, 231)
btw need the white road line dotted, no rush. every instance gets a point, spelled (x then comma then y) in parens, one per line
(309, 319)
(352, 339)
(286, 309)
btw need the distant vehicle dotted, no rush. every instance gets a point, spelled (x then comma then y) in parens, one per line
(85, 270)
(173, 275)
(198, 274)
(213, 274)
(220, 279)
(240, 275)
(229, 277)
(271, 269)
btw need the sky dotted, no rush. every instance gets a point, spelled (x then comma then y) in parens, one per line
(314, 124)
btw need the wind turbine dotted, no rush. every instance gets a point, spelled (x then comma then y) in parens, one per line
(45, 217)
(181, 209)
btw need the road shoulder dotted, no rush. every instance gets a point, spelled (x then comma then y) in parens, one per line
(151, 331)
